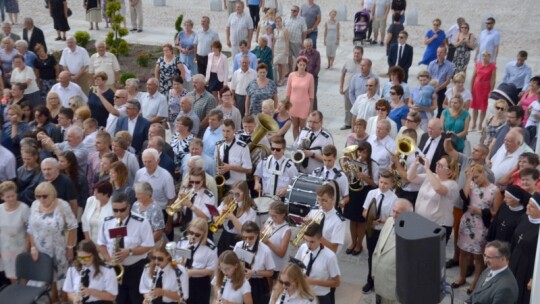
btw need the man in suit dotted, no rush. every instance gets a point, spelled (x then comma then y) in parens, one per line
(135, 124)
(384, 256)
(432, 142)
(401, 54)
(33, 35)
(496, 284)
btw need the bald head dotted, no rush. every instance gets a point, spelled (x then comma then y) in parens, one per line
(400, 206)
(64, 78)
(435, 127)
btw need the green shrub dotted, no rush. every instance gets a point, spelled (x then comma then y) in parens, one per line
(143, 58)
(82, 38)
(125, 76)
(114, 41)
(178, 25)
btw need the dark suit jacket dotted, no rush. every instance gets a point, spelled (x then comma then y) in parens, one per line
(406, 60)
(37, 37)
(167, 163)
(140, 133)
(501, 289)
(439, 152)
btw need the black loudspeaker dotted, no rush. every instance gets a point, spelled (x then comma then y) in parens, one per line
(420, 260)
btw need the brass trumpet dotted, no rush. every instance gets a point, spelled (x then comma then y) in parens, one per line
(317, 218)
(267, 232)
(218, 222)
(405, 145)
(183, 196)
(351, 167)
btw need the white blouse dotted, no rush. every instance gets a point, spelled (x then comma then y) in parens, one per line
(169, 281)
(105, 281)
(93, 216)
(231, 295)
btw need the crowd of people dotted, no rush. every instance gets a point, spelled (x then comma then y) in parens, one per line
(97, 174)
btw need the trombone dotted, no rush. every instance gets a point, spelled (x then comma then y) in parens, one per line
(351, 167)
(183, 196)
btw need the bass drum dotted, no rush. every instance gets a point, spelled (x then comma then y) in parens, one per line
(302, 195)
(263, 205)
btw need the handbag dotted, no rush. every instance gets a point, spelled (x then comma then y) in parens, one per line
(70, 12)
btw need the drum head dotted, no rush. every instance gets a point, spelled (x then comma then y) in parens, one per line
(263, 204)
(304, 190)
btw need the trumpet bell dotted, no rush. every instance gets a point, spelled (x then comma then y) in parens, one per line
(350, 151)
(405, 145)
(298, 156)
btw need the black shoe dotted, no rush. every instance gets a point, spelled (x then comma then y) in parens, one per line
(133, 30)
(345, 127)
(140, 31)
(451, 263)
(349, 250)
(373, 42)
(357, 253)
(58, 38)
(368, 288)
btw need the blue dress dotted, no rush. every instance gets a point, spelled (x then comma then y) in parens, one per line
(431, 49)
(456, 125)
(187, 42)
(397, 114)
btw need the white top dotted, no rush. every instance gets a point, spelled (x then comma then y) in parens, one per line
(74, 61)
(22, 76)
(238, 155)
(154, 105)
(325, 266)
(139, 233)
(169, 281)
(364, 107)
(435, 207)
(239, 26)
(162, 185)
(266, 170)
(292, 299)
(249, 215)
(535, 110)
(205, 257)
(66, 93)
(372, 126)
(105, 281)
(262, 260)
(275, 238)
(88, 219)
(379, 150)
(89, 142)
(8, 165)
(334, 226)
(504, 162)
(233, 296)
(241, 79)
(201, 199)
(322, 138)
(336, 175)
(107, 63)
(386, 207)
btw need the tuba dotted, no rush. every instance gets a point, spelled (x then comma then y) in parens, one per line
(118, 268)
(220, 179)
(183, 196)
(265, 124)
(298, 156)
(351, 167)
(317, 218)
(218, 222)
(405, 145)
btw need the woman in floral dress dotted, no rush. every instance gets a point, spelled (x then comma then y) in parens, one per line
(168, 66)
(484, 202)
(50, 218)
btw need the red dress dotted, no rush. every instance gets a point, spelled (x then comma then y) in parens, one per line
(482, 85)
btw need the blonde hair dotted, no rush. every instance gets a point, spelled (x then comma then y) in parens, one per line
(48, 188)
(459, 77)
(295, 275)
(7, 186)
(268, 103)
(230, 258)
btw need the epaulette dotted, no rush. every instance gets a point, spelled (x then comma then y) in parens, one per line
(108, 218)
(325, 134)
(210, 244)
(340, 216)
(305, 129)
(208, 192)
(137, 218)
(289, 163)
(241, 143)
(107, 266)
(337, 172)
(219, 142)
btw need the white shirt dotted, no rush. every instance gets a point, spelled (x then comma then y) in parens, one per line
(238, 155)
(334, 226)
(162, 184)
(325, 266)
(241, 79)
(387, 204)
(89, 142)
(504, 162)
(110, 127)
(275, 238)
(239, 26)
(435, 207)
(105, 281)
(131, 125)
(76, 60)
(88, 224)
(380, 150)
(205, 257)
(201, 199)
(293, 299)
(66, 93)
(154, 105)
(22, 76)
(231, 295)
(336, 175)
(139, 233)
(262, 259)
(249, 215)
(364, 107)
(372, 126)
(322, 138)
(266, 170)
(169, 281)
(107, 63)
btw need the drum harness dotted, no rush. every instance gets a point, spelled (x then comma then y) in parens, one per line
(276, 172)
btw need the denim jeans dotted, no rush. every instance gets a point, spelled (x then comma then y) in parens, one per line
(313, 37)
(3, 9)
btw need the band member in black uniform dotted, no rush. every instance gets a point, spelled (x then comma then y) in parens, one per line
(89, 280)
(129, 250)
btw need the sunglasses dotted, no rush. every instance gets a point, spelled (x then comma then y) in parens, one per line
(195, 234)
(276, 149)
(499, 108)
(44, 196)
(392, 93)
(119, 210)
(249, 237)
(285, 283)
(194, 182)
(84, 258)
(159, 259)
(294, 11)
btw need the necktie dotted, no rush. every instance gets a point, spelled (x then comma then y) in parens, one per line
(426, 149)
(488, 278)
(310, 264)
(312, 137)
(226, 158)
(276, 179)
(159, 284)
(121, 244)
(326, 176)
(379, 206)
(322, 221)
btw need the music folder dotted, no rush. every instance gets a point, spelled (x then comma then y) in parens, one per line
(118, 232)
(213, 210)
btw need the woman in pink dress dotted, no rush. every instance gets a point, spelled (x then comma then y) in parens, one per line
(483, 82)
(529, 96)
(300, 91)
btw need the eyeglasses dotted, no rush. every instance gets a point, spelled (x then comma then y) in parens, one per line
(499, 108)
(276, 149)
(84, 258)
(285, 283)
(381, 109)
(401, 37)
(158, 258)
(42, 196)
(195, 234)
(118, 97)
(194, 182)
(392, 93)
(487, 257)
(249, 237)
(119, 210)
